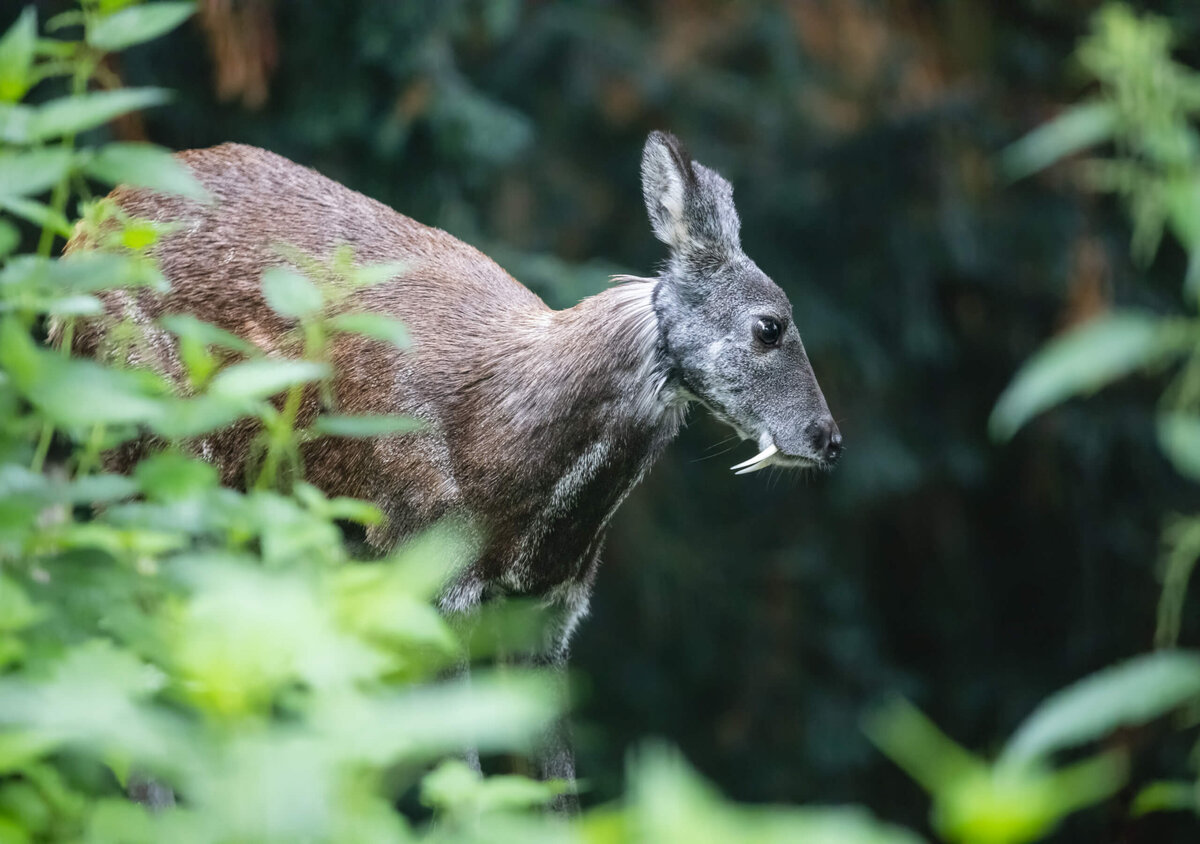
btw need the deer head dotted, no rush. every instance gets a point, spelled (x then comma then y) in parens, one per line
(726, 330)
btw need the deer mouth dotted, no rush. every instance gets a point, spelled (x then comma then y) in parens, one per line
(772, 456)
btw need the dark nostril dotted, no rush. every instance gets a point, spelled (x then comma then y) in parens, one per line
(826, 439)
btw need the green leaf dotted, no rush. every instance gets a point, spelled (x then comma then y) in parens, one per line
(260, 379)
(290, 294)
(18, 749)
(1075, 129)
(10, 238)
(916, 744)
(137, 24)
(78, 272)
(73, 392)
(33, 171)
(369, 275)
(1179, 436)
(1013, 804)
(35, 212)
(1166, 797)
(15, 122)
(1082, 361)
(16, 56)
(186, 326)
(375, 326)
(201, 415)
(365, 426)
(172, 477)
(1128, 694)
(16, 610)
(453, 786)
(70, 115)
(145, 166)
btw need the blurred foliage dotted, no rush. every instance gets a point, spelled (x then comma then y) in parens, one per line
(750, 623)
(217, 653)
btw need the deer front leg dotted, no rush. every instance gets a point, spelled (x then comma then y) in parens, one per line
(555, 752)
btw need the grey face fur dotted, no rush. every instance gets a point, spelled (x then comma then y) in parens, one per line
(712, 302)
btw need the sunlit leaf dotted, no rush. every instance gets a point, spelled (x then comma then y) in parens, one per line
(1128, 694)
(454, 786)
(16, 56)
(1014, 804)
(144, 166)
(1082, 361)
(1074, 130)
(137, 24)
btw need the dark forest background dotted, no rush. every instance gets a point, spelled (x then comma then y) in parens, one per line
(750, 620)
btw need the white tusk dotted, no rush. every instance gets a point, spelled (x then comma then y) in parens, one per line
(756, 462)
(753, 468)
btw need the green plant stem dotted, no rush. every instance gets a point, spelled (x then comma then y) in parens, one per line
(58, 202)
(91, 454)
(42, 448)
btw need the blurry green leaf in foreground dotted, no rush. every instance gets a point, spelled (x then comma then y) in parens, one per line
(987, 804)
(1075, 129)
(1128, 694)
(91, 699)
(668, 801)
(32, 171)
(1083, 360)
(69, 115)
(375, 326)
(1179, 436)
(186, 326)
(290, 294)
(453, 786)
(234, 651)
(38, 213)
(1166, 797)
(74, 392)
(16, 56)
(144, 166)
(137, 24)
(365, 426)
(260, 379)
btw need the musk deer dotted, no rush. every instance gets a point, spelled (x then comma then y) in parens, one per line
(539, 422)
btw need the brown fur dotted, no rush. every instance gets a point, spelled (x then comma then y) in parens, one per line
(514, 394)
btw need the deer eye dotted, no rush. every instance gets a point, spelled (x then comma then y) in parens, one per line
(768, 331)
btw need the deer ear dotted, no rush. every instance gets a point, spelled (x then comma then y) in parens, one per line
(667, 180)
(690, 206)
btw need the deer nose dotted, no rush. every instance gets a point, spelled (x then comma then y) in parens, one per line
(826, 439)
